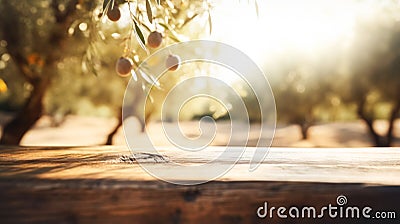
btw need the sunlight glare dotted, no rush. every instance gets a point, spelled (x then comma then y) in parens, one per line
(303, 26)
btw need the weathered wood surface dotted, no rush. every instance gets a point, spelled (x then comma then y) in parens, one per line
(79, 185)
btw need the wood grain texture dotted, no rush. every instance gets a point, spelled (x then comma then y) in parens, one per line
(87, 184)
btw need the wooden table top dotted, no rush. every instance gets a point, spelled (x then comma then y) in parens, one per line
(325, 165)
(94, 185)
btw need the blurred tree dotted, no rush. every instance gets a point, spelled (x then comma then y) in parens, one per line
(35, 36)
(303, 86)
(173, 21)
(41, 39)
(374, 82)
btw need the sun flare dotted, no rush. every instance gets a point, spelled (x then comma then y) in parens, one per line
(304, 26)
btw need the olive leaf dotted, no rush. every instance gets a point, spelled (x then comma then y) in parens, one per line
(172, 33)
(148, 11)
(134, 76)
(87, 65)
(188, 20)
(140, 36)
(209, 21)
(147, 78)
(106, 3)
(256, 5)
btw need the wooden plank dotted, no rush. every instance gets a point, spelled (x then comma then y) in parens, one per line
(77, 201)
(86, 185)
(332, 165)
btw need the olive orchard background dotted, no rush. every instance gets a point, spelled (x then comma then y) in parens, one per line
(58, 58)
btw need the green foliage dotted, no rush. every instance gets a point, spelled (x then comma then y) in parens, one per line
(374, 74)
(32, 34)
(64, 39)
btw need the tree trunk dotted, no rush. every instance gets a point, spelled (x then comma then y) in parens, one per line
(111, 135)
(33, 108)
(304, 130)
(114, 131)
(369, 122)
(393, 115)
(27, 117)
(380, 141)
